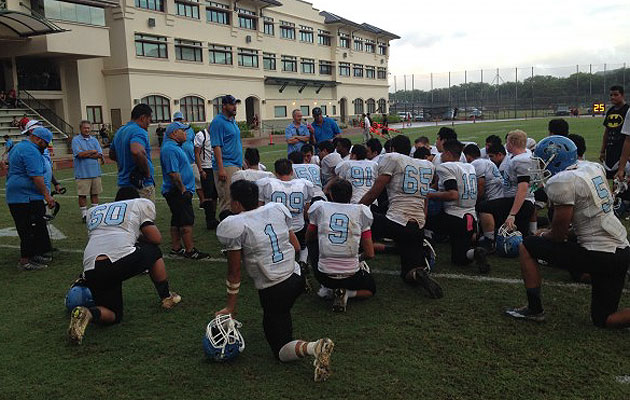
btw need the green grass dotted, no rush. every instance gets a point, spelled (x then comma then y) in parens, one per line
(398, 345)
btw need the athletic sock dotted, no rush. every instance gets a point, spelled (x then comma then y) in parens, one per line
(470, 254)
(96, 314)
(296, 349)
(162, 288)
(489, 235)
(351, 293)
(304, 254)
(533, 227)
(83, 211)
(533, 299)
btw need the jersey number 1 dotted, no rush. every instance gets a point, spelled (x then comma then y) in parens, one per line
(276, 254)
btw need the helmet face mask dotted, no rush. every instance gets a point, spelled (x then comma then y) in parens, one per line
(223, 341)
(552, 155)
(507, 242)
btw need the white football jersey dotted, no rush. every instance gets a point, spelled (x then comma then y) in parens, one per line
(512, 168)
(437, 160)
(251, 175)
(408, 187)
(484, 153)
(263, 236)
(114, 228)
(339, 230)
(295, 194)
(361, 174)
(311, 173)
(328, 165)
(486, 169)
(594, 222)
(466, 178)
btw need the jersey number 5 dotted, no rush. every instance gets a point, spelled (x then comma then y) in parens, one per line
(603, 193)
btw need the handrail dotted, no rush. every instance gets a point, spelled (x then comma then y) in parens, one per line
(51, 116)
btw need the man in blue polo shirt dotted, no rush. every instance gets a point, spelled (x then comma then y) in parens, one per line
(296, 133)
(26, 191)
(87, 154)
(323, 128)
(225, 137)
(177, 188)
(132, 151)
(189, 149)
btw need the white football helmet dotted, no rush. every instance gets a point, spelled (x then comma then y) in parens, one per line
(223, 341)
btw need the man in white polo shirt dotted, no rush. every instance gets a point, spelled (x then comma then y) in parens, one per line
(207, 192)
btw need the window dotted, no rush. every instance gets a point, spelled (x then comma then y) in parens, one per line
(187, 8)
(326, 67)
(220, 54)
(382, 106)
(161, 107)
(269, 61)
(217, 13)
(382, 49)
(357, 70)
(370, 72)
(381, 73)
(193, 108)
(305, 110)
(324, 109)
(289, 63)
(95, 114)
(344, 69)
(306, 34)
(323, 37)
(188, 50)
(358, 44)
(308, 66)
(151, 46)
(287, 30)
(370, 47)
(67, 11)
(248, 58)
(344, 40)
(268, 26)
(156, 5)
(358, 106)
(334, 110)
(371, 106)
(217, 106)
(280, 111)
(246, 19)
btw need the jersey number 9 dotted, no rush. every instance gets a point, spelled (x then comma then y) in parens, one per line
(339, 224)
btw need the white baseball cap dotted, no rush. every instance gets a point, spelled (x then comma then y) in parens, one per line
(31, 125)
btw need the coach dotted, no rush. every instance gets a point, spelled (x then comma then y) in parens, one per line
(228, 151)
(296, 133)
(323, 128)
(87, 171)
(25, 190)
(132, 152)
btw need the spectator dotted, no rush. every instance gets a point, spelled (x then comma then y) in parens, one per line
(3, 98)
(323, 128)
(12, 98)
(23, 122)
(228, 151)
(178, 187)
(189, 150)
(385, 124)
(613, 139)
(87, 170)
(159, 132)
(296, 133)
(104, 134)
(15, 123)
(203, 159)
(8, 145)
(366, 127)
(132, 152)
(26, 188)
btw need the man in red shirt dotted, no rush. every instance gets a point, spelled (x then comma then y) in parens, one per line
(23, 122)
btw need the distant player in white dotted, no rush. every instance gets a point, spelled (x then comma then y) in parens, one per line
(309, 158)
(310, 172)
(328, 160)
(261, 238)
(336, 232)
(489, 179)
(407, 181)
(490, 141)
(123, 242)
(373, 149)
(444, 134)
(582, 200)
(252, 172)
(457, 184)
(343, 146)
(360, 172)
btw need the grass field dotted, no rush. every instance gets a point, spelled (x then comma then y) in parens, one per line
(398, 345)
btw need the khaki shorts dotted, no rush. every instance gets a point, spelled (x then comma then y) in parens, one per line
(223, 188)
(197, 177)
(89, 186)
(148, 192)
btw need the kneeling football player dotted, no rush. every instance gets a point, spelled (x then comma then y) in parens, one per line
(336, 231)
(261, 237)
(123, 242)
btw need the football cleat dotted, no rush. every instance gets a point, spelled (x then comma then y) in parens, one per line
(340, 301)
(325, 293)
(31, 266)
(323, 351)
(432, 287)
(481, 259)
(525, 313)
(487, 244)
(223, 341)
(78, 296)
(507, 242)
(42, 259)
(79, 320)
(177, 253)
(170, 301)
(195, 254)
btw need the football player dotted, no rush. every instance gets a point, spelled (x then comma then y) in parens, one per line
(490, 141)
(582, 200)
(343, 147)
(497, 154)
(261, 237)
(123, 242)
(457, 185)
(373, 149)
(310, 172)
(309, 157)
(358, 171)
(328, 160)
(489, 180)
(252, 171)
(444, 134)
(407, 181)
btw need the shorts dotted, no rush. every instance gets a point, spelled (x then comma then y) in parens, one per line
(197, 176)
(89, 186)
(500, 209)
(182, 213)
(105, 280)
(209, 190)
(607, 270)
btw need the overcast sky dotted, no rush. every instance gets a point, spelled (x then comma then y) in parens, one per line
(457, 35)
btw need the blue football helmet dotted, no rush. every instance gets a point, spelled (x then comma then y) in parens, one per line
(223, 341)
(79, 296)
(552, 155)
(434, 207)
(507, 242)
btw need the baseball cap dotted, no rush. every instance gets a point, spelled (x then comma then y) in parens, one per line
(317, 111)
(42, 133)
(229, 99)
(172, 127)
(178, 115)
(31, 124)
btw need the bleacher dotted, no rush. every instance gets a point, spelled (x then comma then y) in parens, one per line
(15, 133)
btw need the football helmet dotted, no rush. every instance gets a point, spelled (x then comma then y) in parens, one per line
(507, 242)
(620, 207)
(553, 154)
(223, 341)
(79, 296)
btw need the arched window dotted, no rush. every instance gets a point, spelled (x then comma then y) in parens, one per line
(371, 106)
(161, 107)
(193, 108)
(358, 106)
(217, 107)
(382, 106)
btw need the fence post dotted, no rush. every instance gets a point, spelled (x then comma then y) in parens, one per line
(515, 91)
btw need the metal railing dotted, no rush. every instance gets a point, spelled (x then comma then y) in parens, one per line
(42, 109)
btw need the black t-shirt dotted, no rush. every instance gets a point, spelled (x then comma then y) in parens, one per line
(614, 122)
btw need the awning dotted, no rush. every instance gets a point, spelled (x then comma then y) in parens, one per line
(330, 18)
(301, 83)
(18, 25)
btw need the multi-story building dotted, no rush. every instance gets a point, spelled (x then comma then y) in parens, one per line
(185, 54)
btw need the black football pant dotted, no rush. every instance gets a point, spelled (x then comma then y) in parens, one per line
(31, 228)
(408, 241)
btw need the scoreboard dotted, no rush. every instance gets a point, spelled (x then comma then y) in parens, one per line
(599, 108)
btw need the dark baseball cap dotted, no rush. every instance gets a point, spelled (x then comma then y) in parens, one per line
(317, 111)
(229, 99)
